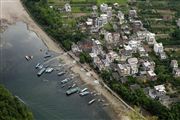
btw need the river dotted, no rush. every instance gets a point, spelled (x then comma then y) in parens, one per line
(43, 94)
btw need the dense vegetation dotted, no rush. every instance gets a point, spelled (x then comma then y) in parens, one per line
(11, 108)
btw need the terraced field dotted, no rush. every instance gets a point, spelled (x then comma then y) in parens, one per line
(160, 16)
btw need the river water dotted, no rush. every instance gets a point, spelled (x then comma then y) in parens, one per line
(43, 95)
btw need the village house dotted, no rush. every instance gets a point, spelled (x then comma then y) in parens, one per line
(134, 45)
(174, 64)
(137, 25)
(111, 56)
(104, 18)
(89, 22)
(112, 39)
(109, 12)
(132, 14)
(142, 51)
(158, 48)
(150, 38)
(103, 7)
(67, 7)
(163, 55)
(94, 8)
(148, 66)
(126, 29)
(141, 35)
(151, 75)
(133, 62)
(97, 47)
(176, 72)
(126, 53)
(121, 17)
(124, 69)
(155, 93)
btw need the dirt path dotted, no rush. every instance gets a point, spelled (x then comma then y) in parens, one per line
(12, 11)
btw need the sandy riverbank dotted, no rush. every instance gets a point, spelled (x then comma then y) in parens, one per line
(12, 11)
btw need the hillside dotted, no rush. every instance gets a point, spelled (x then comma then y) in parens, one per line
(11, 108)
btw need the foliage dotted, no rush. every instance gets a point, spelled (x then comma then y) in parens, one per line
(85, 58)
(11, 108)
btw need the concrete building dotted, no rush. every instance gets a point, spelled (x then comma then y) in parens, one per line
(151, 75)
(150, 38)
(148, 66)
(158, 48)
(109, 12)
(137, 25)
(89, 22)
(176, 72)
(132, 14)
(174, 64)
(67, 7)
(163, 55)
(103, 7)
(104, 18)
(134, 45)
(121, 17)
(124, 69)
(142, 51)
(133, 62)
(108, 37)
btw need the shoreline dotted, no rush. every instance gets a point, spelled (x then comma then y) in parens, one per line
(15, 11)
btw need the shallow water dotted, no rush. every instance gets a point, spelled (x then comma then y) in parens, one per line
(43, 95)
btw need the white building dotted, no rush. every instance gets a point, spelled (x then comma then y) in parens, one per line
(109, 12)
(160, 88)
(142, 51)
(174, 64)
(132, 13)
(97, 48)
(111, 56)
(108, 37)
(103, 7)
(176, 72)
(89, 22)
(148, 66)
(133, 62)
(67, 7)
(121, 17)
(150, 38)
(104, 18)
(158, 48)
(124, 69)
(134, 45)
(151, 75)
(163, 55)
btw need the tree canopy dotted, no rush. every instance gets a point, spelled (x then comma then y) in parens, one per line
(11, 108)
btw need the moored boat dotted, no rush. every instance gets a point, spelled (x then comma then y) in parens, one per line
(84, 93)
(41, 71)
(72, 91)
(61, 73)
(91, 101)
